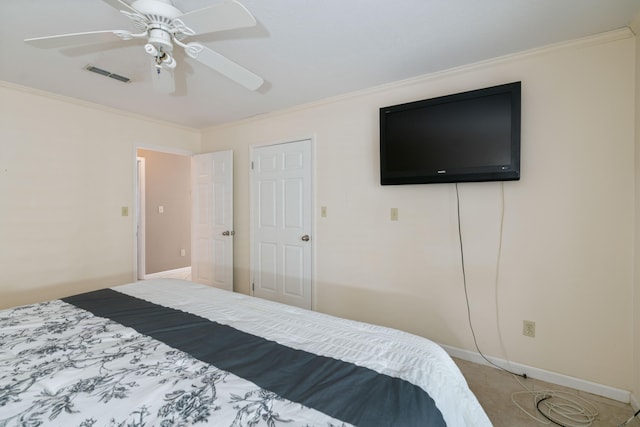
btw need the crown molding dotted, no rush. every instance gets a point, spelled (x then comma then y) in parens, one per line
(91, 105)
(598, 39)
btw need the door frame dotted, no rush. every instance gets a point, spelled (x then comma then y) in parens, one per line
(140, 212)
(137, 193)
(314, 234)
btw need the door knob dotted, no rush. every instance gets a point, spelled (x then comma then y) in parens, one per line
(228, 233)
(305, 238)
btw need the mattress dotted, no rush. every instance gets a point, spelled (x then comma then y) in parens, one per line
(168, 352)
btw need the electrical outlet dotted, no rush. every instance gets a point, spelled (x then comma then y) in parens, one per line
(394, 214)
(529, 328)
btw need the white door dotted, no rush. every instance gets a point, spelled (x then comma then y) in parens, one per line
(212, 219)
(281, 223)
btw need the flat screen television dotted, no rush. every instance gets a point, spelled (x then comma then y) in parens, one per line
(464, 137)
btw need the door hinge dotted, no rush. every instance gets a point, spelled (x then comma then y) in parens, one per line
(252, 165)
(253, 287)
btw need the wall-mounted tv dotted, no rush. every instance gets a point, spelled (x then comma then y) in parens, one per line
(469, 136)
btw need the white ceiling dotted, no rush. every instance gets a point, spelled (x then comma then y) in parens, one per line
(305, 50)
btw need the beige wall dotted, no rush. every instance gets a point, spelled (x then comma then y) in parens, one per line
(66, 170)
(168, 184)
(567, 260)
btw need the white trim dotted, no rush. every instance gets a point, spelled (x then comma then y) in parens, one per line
(635, 402)
(94, 106)
(141, 224)
(606, 37)
(620, 395)
(163, 149)
(168, 273)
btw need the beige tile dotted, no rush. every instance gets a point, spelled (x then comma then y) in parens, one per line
(495, 389)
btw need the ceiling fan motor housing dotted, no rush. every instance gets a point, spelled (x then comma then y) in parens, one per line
(160, 38)
(157, 9)
(160, 14)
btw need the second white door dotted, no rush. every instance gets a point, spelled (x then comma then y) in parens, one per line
(212, 219)
(281, 222)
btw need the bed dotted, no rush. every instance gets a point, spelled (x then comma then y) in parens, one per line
(168, 352)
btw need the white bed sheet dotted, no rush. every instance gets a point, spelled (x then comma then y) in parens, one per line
(384, 350)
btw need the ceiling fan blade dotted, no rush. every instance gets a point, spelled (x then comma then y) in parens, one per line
(65, 40)
(120, 5)
(224, 66)
(162, 79)
(223, 16)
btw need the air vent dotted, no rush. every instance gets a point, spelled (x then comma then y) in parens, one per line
(106, 73)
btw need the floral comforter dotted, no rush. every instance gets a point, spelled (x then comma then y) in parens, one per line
(174, 353)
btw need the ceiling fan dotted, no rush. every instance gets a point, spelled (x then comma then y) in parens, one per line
(163, 25)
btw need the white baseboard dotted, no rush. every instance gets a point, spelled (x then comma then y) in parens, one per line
(548, 376)
(635, 402)
(169, 273)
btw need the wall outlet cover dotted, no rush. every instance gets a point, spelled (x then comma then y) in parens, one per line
(529, 328)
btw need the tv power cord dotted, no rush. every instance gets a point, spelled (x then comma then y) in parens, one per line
(630, 418)
(559, 408)
(464, 281)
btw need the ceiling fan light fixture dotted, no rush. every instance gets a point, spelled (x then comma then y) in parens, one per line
(151, 49)
(161, 39)
(169, 61)
(106, 73)
(163, 25)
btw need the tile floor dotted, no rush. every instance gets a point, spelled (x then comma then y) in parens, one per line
(494, 388)
(181, 273)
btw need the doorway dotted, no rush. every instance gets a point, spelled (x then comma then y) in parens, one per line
(184, 216)
(163, 214)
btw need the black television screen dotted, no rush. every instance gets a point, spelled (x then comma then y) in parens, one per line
(469, 136)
